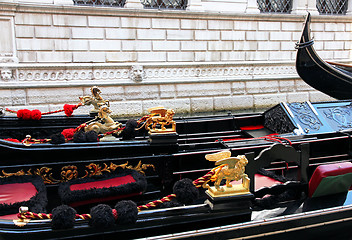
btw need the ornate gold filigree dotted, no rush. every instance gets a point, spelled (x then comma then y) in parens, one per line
(71, 172)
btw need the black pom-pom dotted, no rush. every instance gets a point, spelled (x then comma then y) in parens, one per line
(57, 138)
(91, 136)
(63, 217)
(129, 132)
(185, 191)
(79, 137)
(127, 212)
(102, 216)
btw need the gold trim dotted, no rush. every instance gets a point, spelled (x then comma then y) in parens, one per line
(71, 172)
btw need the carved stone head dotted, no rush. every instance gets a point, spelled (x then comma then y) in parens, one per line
(6, 74)
(137, 73)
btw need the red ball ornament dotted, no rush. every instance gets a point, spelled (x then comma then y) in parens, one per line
(36, 114)
(68, 133)
(24, 114)
(69, 109)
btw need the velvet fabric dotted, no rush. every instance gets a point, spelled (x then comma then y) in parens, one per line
(122, 184)
(17, 191)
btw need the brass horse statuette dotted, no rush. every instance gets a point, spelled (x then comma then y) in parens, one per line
(160, 116)
(230, 169)
(103, 123)
(95, 99)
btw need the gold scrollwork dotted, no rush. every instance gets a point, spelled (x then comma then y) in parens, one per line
(70, 172)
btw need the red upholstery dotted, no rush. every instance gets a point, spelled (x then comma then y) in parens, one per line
(16, 192)
(261, 181)
(254, 127)
(104, 183)
(9, 217)
(332, 178)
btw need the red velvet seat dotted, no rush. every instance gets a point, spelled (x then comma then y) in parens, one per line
(17, 191)
(123, 184)
(330, 179)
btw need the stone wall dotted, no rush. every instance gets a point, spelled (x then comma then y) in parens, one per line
(189, 61)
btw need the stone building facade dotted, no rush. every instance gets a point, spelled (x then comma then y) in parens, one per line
(212, 56)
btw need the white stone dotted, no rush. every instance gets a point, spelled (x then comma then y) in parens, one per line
(257, 36)
(166, 45)
(151, 56)
(104, 45)
(50, 57)
(91, 57)
(50, 95)
(166, 23)
(112, 33)
(268, 100)
(257, 56)
(35, 44)
(275, 46)
(280, 36)
(194, 46)
(129, 22)
(207, 56)
(269, 26)
(137, 45)
(108, 22)
(179, 34)
(144, 34)
(179, 105)
(220, 24)
(88, 33)
(33, 19)
(203, 89)
(334, 27)
(233, 35)
(255, 87)
(24, 31)
(207, 35)
(180, 56)
(220, 46)
(121, 56)
(192, 24)
(52, 32)
(291, 26)
(233, 56)
(69, 20)
(297, 97)
(70, 45)
(202, 104)
(246, 25)
(334, 45)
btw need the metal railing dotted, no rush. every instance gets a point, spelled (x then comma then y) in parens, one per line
(109, 3)
(275, 6)
(165, 4)
(332, 6)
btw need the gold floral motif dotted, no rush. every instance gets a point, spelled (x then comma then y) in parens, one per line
(70, 172)
(45, 173)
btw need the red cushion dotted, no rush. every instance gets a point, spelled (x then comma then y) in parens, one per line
(113, 182)
(103, 183)
(332, 173)
(16, 192)
(9, 217)
(260, 181)
(254, 127)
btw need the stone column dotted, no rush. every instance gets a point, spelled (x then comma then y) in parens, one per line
(252, 7)
(349, 8)
(195, 5)
(300, 7)
(137, 4)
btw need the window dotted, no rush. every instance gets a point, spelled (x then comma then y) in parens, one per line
(332, 6)
(275, 6)
(165, 4)
(111, 3)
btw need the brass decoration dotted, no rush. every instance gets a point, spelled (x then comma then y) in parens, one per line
(160, 116)
(231, 169)
(70, 172)
(44, 172)
(103, 123)
(96, 100)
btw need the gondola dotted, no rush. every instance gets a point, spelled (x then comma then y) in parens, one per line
(333, 79)
(244, 214)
